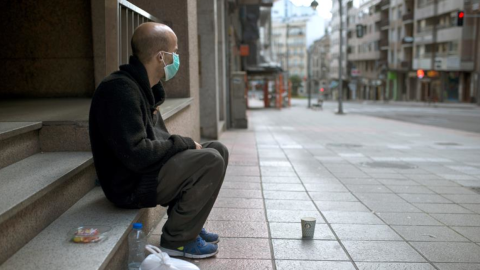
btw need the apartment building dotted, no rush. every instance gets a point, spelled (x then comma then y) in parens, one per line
(444, 51)
(401, 81)
(366, 64)
(290, 42)
(319, 56)
(335, 48)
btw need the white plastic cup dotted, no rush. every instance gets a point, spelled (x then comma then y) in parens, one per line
(308, 227)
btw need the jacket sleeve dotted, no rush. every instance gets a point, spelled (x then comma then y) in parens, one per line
(121, 122)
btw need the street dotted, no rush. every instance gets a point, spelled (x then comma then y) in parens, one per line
(466, 119)
(385, 194)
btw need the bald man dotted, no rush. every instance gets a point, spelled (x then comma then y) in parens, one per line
(139, 163)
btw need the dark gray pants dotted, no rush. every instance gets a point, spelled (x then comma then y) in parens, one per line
(189, 184)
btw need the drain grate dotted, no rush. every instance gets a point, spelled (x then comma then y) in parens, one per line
(344, 145)
(447, 143)
(389, 165)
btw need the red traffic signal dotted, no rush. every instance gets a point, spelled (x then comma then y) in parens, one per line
(460, 17)
(322, 89)
(420, 73)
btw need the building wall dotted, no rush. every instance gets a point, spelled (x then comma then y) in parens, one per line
(297, 57)
(181, 16)
(47, 49)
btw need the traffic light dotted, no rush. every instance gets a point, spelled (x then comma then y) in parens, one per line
(460, 16)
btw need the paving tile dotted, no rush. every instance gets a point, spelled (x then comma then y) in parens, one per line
(240, 193)
(242, 178)
(313, 265)
(458, 219)
(290, 205)
(457, 266)
(462, 198)
(379, 197)
(284, 180)
(275, 163)
(398, 182)
(292, 215)
(364, 232)
(424, 198)
(408, 219)
(283, 187)
(294, 231)
(429, 234)
(437, 183)
(244, 248)
(410, 190)
(382, 251)
(472, 233)
(332, 196)
(308, 250)
(449, 252)
(359, 181)
(233, 264)
(240, 185)
(453, 190)
(319, 180)
(368, 189)
(352, 218)
(285, 195)
(239, 203)
(276, 169)
(394, 266)
(234, 214)
(325, 187)
(341, 206)
(434, 208)
(278, 174)
(243, 170)
(473, 207)
(386, 207)
(238, 229)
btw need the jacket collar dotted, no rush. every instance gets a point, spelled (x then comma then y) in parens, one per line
(155, 95)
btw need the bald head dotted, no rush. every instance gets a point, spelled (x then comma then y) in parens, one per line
(150, 38)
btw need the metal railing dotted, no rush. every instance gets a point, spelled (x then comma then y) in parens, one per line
(129, 18)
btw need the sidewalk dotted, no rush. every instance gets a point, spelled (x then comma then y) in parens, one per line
(387, 195)
(448, 105)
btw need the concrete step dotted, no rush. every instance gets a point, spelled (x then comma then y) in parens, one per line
(18, 140)
(52, 249)
(37, 190)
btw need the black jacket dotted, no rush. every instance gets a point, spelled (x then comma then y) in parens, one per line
(130, 144)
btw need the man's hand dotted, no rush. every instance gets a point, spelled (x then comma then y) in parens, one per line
(199, 146)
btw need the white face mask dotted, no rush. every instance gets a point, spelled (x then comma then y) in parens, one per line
(172, 69)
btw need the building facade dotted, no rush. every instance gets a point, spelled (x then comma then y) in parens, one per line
(406, 50)
(319, 66)
(335, 48)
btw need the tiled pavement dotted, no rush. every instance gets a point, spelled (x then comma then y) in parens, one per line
(343, 170)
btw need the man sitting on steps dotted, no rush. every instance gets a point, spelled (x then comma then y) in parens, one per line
(139, 163)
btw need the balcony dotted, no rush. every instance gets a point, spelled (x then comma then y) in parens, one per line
(383, 43)
(384, 24)
(407, 41)
(385, 4)
(408, 18)
(406, 64)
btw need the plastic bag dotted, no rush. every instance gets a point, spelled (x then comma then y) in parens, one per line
(159, 260)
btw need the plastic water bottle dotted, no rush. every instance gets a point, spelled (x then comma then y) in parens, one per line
(136, 246)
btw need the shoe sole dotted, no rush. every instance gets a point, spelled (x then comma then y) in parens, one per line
(176, 253)
(214, 242)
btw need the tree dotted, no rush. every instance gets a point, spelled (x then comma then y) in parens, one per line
(296, 83)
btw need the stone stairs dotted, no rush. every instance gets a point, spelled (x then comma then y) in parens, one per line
(44, 194)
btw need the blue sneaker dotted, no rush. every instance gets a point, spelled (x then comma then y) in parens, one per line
(197, 249)
(209, 237)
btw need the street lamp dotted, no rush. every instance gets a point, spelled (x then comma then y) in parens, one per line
(314, 5)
